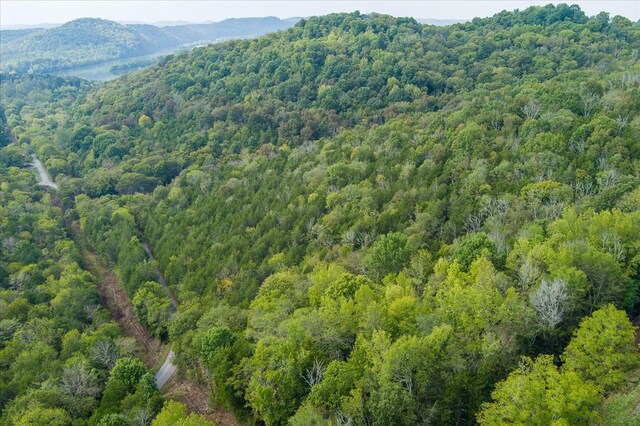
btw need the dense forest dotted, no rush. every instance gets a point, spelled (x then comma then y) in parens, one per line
(365, 220)
(89, 41)
(62, 360)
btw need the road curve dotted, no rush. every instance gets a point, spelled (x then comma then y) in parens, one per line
(168, 368)
(166, 371)
(45, 179)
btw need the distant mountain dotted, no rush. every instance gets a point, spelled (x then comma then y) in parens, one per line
(17, 33)
(366, 220)
(90, 41)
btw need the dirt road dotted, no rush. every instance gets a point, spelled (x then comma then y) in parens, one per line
(113, 297)
(116, 301)
(194, 396)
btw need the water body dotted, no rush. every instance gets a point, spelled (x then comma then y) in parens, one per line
(45, 179)
(102, 70)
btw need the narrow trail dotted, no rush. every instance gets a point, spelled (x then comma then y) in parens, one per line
(168, 368)
(112, 295)
(161, 280)
(116, 301)
(194, 395)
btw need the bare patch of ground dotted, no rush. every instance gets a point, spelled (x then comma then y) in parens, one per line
(195, 397)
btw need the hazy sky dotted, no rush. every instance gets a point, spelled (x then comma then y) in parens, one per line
(14, 12)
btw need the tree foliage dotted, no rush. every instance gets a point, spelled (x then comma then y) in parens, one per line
(366, 220)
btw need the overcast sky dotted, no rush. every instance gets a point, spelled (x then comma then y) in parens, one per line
(14, 12)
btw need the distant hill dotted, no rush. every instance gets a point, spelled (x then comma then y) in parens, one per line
(366, 220)
(90, 41)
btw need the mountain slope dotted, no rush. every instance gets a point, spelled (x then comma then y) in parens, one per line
(89, 40)
(369, 220)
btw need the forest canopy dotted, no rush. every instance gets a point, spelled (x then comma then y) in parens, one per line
(366, 220)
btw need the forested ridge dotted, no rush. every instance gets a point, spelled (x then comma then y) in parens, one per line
(371, 221)
(88, 41)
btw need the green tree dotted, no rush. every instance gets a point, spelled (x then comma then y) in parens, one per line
(275, 369)
(114, 420)
(388, 255)
(128, 371)
(40, 416)
(175, 414)
(538, 394)
(152, 307)
(472, 247)
(214, 340)
(603, 349)
(130, 183)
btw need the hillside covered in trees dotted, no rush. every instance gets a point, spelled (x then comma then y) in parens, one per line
(62, 360)
(88, 41)
(367, 220)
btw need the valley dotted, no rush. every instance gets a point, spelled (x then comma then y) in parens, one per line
(360, 219)
(96, 49)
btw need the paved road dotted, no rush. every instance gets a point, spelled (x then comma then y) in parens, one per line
(161, 280)
(168, 367)
(166, 371)
(45, 179)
